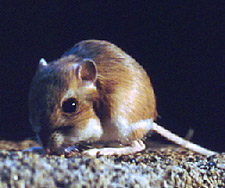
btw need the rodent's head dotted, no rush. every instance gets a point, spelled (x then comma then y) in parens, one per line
(61, 100)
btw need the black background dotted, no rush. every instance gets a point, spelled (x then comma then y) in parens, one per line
(179, 43)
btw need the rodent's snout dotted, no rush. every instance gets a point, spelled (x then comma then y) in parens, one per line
(52, 142)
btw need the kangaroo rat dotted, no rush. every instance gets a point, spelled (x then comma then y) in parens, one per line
(95, 92)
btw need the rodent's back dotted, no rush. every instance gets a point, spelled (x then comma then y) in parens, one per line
(124, 86)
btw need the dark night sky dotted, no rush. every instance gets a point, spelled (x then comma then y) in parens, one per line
(180, 44)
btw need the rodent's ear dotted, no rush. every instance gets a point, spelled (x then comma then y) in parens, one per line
(42, 64)
(87, 70)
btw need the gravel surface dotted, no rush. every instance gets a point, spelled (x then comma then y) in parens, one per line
(160, 166)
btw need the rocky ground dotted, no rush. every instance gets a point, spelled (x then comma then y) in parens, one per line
(158, 166)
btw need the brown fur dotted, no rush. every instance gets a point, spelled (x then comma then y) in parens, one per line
(121, 77)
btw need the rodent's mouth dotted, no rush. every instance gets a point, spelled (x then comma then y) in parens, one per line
(56, 140)
(68, 148)
(63, 150)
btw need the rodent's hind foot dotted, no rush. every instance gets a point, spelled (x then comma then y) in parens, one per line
(135, 146)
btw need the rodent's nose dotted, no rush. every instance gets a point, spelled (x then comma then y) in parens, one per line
(52, 141)
(47, 151)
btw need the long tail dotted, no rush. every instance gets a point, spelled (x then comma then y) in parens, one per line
(180, 141)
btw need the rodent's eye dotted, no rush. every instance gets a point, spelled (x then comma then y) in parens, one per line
(69, 105)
